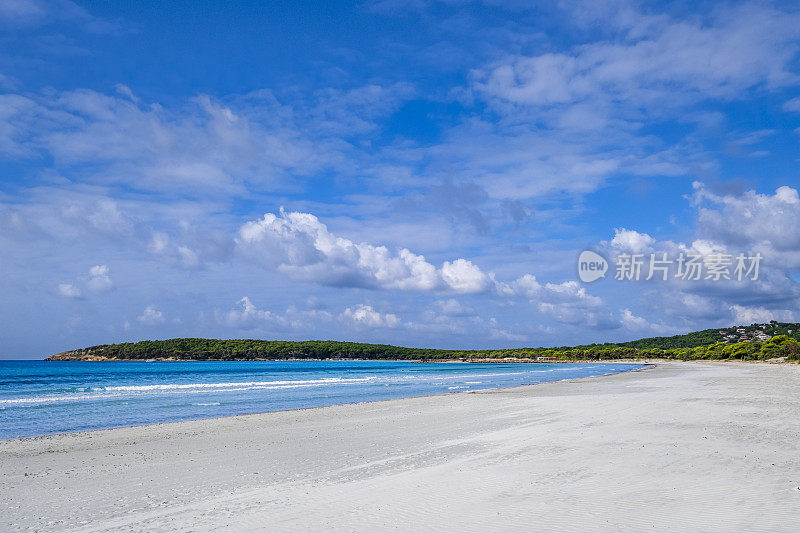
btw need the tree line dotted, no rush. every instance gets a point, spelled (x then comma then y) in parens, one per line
(689, 348)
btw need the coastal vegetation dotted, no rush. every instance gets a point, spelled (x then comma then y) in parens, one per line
(753, 342)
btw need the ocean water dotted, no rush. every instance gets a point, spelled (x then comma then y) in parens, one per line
(39, 398)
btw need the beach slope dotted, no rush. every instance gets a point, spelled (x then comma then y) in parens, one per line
(681, 447)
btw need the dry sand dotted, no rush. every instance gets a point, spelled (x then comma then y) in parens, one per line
(682, 447)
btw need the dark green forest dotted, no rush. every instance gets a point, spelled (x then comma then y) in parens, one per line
(753, 342)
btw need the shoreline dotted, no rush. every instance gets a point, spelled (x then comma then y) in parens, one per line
(684, 446)
(507, 360)
(95, 359)
(646, 366)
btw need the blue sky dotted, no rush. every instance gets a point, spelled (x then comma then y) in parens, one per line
(416, 173)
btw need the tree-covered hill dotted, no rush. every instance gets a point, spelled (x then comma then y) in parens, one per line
(735, 334)
(753, 342)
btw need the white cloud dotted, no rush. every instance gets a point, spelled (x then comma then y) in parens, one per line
(299, 244)
(567, 302)
(136, 184)
(34, 13)
(753, 222)
(525, 285)
(496, 332)
(99, 280)
(792, 105)
(151, 316)
(747, 223)
(565, 292)
(635, 323)
(749, 315)
(21, 11)
(630, 241)
(570, 291)
(247, 316)
(126, 91)
(688, 306)
(452, 307)
(188, 258)
(190, 247)
(520, 162)
(667, 65)
(67, 290)
(83, 220)
(462, 276)
(206, 146)
(103, 217)
(366, 315)
(575, 314)
(572, 118)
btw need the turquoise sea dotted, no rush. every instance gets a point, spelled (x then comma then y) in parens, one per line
(39, 397)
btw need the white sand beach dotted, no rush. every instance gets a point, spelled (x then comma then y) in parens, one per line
(680, 447)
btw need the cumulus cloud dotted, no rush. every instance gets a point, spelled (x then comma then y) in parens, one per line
(538, 127)
(359, 319)
(462, 276)
(630, 241)
(769, 223)
(567, 302)
(102, 217)
(746, 223)
(99, 279)
(161, 244)
(367, 316)
(247, 316)
(751, 315)
(638, 324)
(151, 316)
(565, 292)
(300, 245)
(688, 306)
(186, 234)
(68, 290)
(496, 332)
(452, 307)
(575, 314)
